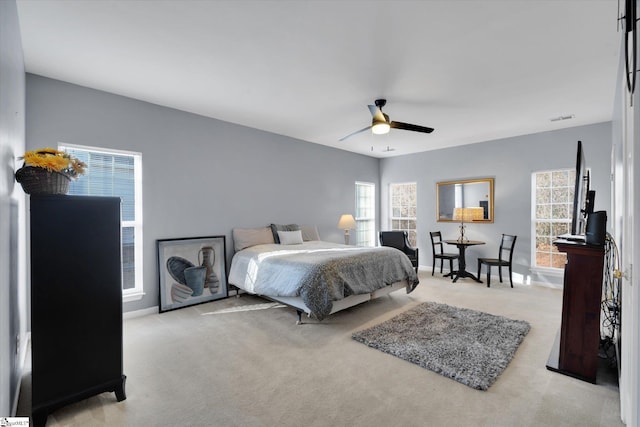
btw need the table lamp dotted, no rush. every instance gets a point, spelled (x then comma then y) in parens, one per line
(346, 223)
(467, 215)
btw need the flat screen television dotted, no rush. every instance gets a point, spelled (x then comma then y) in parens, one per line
(583, 196)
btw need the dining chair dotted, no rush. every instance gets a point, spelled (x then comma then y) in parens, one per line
(437, 247)
(400, 240)
(505, 258)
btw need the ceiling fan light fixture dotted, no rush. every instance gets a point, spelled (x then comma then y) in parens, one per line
(381, 124)
(380, 128)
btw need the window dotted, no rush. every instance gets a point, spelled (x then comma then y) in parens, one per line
(116, 173)
(552, 209)
(365, 214)
(404, 202)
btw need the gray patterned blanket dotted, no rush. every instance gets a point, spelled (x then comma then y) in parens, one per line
(319, 272)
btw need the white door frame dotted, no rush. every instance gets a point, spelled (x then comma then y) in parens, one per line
(629, 238)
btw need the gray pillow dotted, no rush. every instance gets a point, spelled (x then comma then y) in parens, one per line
(280, 227)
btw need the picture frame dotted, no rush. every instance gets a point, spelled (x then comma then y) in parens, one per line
(191, 271)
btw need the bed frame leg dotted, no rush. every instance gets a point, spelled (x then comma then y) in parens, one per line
(299, 322)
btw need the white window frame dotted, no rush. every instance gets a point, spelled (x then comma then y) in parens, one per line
(137, 292)
(371, 241)
(552, 271)
(401, 218)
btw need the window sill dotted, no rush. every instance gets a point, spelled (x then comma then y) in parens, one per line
(133, 296)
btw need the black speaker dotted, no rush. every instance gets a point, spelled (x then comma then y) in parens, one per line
(596, 228)
(591, 198)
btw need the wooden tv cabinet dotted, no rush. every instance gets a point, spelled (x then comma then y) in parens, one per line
(575, 351)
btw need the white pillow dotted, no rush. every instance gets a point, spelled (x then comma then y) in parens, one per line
(290, 237)
(247, 237)
(309, 232)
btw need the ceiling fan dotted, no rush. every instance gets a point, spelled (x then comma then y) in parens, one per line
(381, 123)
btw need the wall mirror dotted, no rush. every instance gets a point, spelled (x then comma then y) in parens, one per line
(468, 193)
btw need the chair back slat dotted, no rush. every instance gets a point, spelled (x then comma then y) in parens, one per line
(436, 242)
(506, 247)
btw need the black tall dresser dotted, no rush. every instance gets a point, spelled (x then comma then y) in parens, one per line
(76, 301)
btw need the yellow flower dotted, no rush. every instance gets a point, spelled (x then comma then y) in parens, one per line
(54, 161)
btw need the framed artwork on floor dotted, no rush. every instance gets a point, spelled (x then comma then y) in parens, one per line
(191, 271)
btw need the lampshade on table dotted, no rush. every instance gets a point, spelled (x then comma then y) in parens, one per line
(346, 223)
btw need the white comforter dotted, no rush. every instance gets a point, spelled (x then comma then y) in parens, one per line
(319, 272)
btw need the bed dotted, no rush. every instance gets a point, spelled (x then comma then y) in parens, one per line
(292, 266)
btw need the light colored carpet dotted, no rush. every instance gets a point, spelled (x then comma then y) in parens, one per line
(465, 345)
(208, 366)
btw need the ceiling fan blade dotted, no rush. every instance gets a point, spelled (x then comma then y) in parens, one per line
(407, 126)
(377, 114)
(354, 133)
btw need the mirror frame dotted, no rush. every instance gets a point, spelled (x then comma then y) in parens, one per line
(489, 181)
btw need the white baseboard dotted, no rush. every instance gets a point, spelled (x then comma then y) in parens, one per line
(140, 313)
(495, 278)
(24, 352)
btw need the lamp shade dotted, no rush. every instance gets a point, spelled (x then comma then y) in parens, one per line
(468, 214)
(346, 222)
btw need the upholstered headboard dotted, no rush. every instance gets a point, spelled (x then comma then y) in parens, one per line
(246, 237)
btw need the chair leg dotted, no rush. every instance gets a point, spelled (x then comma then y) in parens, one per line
(510, 278)
(500, 272)
(488, 275)
(450, 265)
(433, 269)
(479, 268)
(441, 262)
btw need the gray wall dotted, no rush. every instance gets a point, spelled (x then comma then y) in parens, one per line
(201, 176)
(13, 289)
(510, 161)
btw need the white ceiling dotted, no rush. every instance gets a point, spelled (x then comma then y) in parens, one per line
(474, 70)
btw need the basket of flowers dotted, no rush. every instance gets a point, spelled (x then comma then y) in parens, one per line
(48, 171)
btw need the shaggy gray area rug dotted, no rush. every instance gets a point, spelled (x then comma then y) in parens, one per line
(468, 346)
